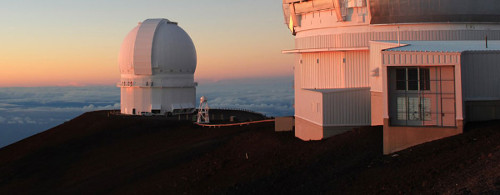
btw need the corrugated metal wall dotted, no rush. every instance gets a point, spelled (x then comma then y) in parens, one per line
(322, 70)
(310, 106)
(357, 69)
(354, 40)
(481, 76)
(347, 108)
(326, 70)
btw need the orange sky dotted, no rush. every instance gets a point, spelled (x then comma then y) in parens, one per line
(60, 43)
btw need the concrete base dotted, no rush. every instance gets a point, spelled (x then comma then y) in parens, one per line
(308, 131)
(377, 108)
(398, 138)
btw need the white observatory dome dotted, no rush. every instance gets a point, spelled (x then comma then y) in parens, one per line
(157, 46)
(157, 62)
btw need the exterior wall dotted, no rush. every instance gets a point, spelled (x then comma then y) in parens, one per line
(376, 108)
(329, 70)
(359, 36)
(177, 96)
(481, 76)
(376, 80)
(309, 106)
(126, 100)
(142, 99)
(322, 70)
(347, 108)
(166, 91)
(135, 98)
(393, 58)
(327, 113)
(357, 69)
(306, 130)
(398, 138)
(482, 110)
(376, 63)
(481, 84)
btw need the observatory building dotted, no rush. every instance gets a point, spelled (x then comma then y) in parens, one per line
(419, 68)
(157, 62)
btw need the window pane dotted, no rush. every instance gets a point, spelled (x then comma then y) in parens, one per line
(401, 108)
(426, 108)
(400, 79)
(412, 79)
(413, 108)
(425, 81)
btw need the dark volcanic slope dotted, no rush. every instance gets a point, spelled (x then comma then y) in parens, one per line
(98, 154)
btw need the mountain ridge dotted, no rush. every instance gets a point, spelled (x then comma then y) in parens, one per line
(99, 153)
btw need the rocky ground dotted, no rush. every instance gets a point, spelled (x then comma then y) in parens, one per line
(99, 153)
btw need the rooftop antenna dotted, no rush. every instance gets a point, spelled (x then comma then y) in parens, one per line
(203, 116)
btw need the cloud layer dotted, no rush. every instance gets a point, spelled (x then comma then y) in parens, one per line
(273, 97)
(25, 111)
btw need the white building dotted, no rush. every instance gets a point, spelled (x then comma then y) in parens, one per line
(157, 63)
(402, 64)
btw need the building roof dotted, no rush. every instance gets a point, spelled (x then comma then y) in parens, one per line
(338, 89)
(157, 46)
(446, 46)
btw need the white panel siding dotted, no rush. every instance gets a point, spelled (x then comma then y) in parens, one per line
(356, 40)
(332, 72)
(328, 73)
(309, 105)
(347, 108)
(481, 76)
(357, 69)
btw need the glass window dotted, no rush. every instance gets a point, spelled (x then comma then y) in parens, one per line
(414, 103)
(400, 79)
(401, 108)
(425, 83)
(412, 79)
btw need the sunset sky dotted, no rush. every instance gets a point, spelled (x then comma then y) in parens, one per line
(73, 43)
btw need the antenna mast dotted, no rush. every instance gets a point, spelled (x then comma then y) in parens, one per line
(203, 116)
